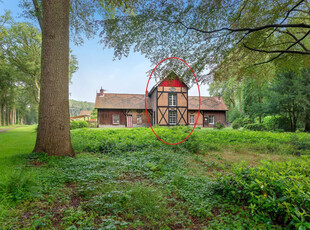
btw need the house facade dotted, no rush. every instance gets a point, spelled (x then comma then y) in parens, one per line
(168, 104)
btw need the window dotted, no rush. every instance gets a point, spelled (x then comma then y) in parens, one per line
(172, 117)
(172, 99)
(115, 119)
(211, 119)
(192, 119)
(139, 119)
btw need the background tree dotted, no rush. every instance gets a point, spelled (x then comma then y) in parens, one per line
(22, 47)
(253, 94)
(21, 44)
(287, 96)
(21, 52)
(77, 106)
(305, 91)
(230, 90)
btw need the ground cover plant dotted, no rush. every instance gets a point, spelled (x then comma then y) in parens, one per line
(128, 179)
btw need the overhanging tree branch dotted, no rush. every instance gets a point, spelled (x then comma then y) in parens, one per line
(292, 9)
(295, 38)
(38, 13)
(249, 30)
(281, 52)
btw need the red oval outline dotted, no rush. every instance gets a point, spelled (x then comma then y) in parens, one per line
(145, 97)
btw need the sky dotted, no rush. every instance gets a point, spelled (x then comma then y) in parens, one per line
(97, 68)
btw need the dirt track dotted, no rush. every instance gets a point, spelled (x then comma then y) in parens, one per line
(3, 130)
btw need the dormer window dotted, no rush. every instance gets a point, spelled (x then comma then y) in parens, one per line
(172, 99)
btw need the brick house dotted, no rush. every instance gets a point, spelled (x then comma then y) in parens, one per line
(168, 104)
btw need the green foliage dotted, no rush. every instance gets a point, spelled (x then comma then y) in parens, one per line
(274, 123)
(253, 94)
(219, 125)
(131, 180)
(185, 38)
(94, 113)
(78, 124)
(274, 191)
(230, 90)
(255, 126)
(233, 114)
(289, 95)
(18, 186)
(241, 122)
(300, 143)
(236, 124)
(126, 199)
(142, 139)
(20, 69)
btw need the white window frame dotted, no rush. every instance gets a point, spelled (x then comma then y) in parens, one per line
(139, 119)
(114, 116)
(211, 123)
(172, 99)
(190, 119)
(170, 117)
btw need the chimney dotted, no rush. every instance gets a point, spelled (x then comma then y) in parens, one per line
(101, 92)
(219, 96)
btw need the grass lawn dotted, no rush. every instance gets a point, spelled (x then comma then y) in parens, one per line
(15, 145)
(127, 179)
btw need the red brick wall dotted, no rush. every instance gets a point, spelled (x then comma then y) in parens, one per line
(105, 116)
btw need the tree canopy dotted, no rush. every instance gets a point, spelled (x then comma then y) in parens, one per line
(213, 36)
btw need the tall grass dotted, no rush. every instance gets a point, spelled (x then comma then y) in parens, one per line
(202, 140)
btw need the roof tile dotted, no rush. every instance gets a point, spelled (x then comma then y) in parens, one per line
(121, 101)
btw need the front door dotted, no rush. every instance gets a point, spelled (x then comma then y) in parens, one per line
(205, 121)
(129, 121)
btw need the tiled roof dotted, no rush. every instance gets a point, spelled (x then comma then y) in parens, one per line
(85, 113)
(121, 101)
(207, 103)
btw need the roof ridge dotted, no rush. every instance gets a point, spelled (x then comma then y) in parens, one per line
(126, 94)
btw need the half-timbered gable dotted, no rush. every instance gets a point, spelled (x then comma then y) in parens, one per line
(171, 96)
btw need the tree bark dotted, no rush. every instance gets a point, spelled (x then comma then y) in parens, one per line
(14, 116)
(7, 113)
(307, 126)
(3, 116)
(11, 117)
(54, 120)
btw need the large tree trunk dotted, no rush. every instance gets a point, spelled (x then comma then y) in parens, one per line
(54, 120)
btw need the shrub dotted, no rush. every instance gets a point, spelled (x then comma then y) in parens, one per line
(245, 121)
(255, 127)
(274, 191)
(78, 124)
(18, 186)
(276, 123)
(236, 124)
(301, 144)
(219, 125)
